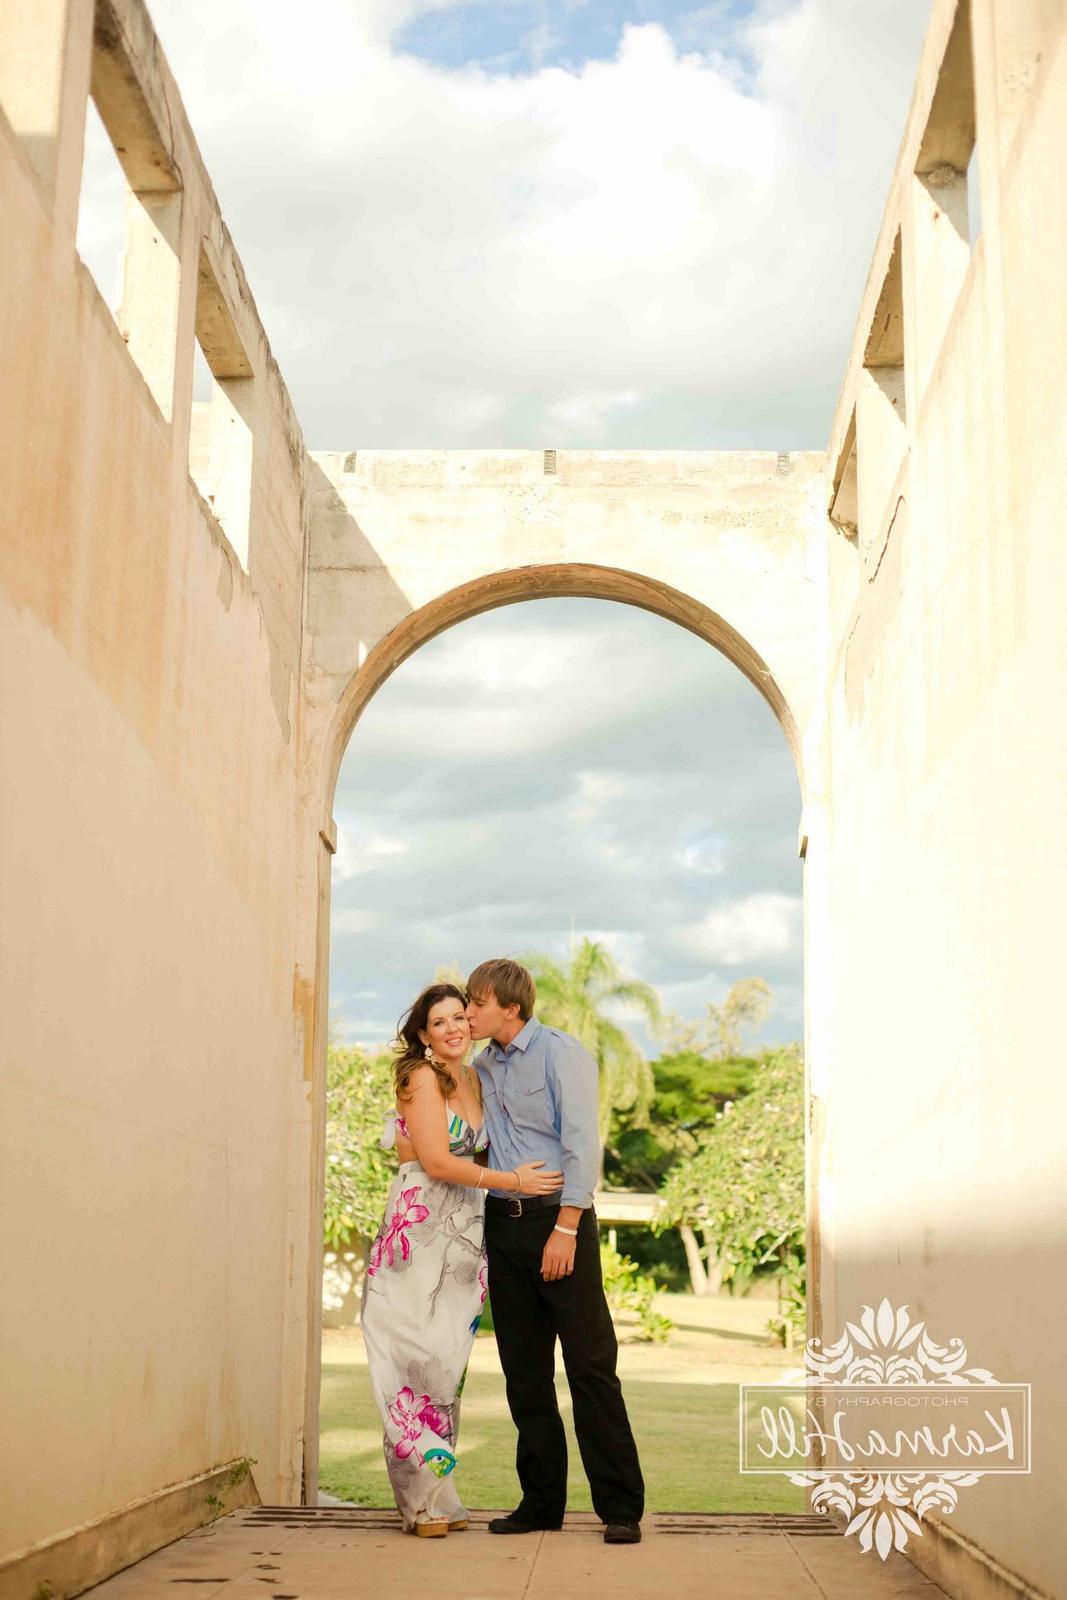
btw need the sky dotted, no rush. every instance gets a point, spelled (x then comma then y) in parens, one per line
(557, 769)
(615, 223)
(556, 223)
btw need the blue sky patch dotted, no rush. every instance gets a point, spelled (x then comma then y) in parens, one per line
(517, 36)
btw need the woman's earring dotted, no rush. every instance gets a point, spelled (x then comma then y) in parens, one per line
(428, 1053)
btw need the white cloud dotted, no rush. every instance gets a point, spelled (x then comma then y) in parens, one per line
(650, 249)
(514, 657)
(690, 772)
(351, 919)
(595, 791)
(587, 415)
(362, 852)
(630, 951)
(748, 930)
(474, 411)
(690, 997)
(539, 42)
(704, 856)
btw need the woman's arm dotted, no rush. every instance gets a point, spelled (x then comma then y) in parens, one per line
(428, 1132)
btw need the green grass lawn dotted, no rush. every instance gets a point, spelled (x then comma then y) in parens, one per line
(682, 1400)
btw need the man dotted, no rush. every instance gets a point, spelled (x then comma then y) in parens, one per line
(539, 1095)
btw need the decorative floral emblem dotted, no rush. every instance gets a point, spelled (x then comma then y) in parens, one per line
(887, 1348)
(411, 1414)
(394, 1233)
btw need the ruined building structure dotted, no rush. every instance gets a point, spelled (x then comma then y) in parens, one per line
(195, 609)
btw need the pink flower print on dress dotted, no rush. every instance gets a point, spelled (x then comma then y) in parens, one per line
(437, 1420)
(405, 1413)
(411, 1413)
(406, 1212)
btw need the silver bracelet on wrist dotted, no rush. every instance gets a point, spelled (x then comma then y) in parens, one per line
(571, 1232)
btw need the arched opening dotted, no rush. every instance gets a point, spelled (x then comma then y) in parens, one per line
(568, 579)
(446, 617)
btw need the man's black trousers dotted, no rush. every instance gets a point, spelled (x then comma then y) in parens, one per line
(529, 1315)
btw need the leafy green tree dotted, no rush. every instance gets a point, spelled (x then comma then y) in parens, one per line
(745, 1185)
(359, 1092)
(575, 998)
(690, 1092)
(722, 1032)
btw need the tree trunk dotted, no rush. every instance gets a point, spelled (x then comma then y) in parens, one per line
(787, 1327)
(712, 1269)
(697, 1276)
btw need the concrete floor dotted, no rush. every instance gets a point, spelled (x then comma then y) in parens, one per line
(324, 1553)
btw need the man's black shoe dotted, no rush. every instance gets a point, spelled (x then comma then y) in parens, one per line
(621, 1533)
(516, 1524)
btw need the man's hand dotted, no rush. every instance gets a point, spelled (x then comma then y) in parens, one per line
(558, 1258)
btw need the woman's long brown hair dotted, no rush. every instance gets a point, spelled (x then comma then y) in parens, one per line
(411, 1052)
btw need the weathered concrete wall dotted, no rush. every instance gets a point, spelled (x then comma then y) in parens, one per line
(149, 870)
(942, 1184)
(731, 545)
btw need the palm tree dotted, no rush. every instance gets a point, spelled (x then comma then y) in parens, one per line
(573, 997)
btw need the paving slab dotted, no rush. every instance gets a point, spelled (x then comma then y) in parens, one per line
(330, 1552)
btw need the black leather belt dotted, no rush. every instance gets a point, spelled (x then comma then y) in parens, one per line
(521, 1204)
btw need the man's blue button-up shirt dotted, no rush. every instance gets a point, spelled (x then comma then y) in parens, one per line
(541, 1103)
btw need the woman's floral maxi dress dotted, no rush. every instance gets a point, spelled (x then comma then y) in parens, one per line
(423, 1293)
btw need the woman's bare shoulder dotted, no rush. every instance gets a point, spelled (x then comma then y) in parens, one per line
(422, 1080)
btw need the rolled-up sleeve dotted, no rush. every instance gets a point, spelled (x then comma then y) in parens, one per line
(574, 1085)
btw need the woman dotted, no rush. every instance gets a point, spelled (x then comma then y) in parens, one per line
(426, 1276)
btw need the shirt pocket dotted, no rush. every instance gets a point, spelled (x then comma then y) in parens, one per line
(528, 1100)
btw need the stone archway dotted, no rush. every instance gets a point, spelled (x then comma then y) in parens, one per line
(383, 587)
(511, 587)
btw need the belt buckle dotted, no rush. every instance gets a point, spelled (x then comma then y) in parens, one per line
(515, 1207)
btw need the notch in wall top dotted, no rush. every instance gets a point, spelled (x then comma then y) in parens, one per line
(216, 328)
(550, 463)
(142, 144)
(948, 137)
(842, 509)
(885, 340)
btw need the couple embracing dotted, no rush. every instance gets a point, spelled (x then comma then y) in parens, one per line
(497, 1165)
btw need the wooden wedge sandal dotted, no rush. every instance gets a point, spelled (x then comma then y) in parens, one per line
(431, 1530)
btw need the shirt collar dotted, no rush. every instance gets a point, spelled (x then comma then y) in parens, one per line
(525, 1036)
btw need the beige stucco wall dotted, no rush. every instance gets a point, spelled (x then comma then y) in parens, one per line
(730, 544)
(148, 873)
(943, 848)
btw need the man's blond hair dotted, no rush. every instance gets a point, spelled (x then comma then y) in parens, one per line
(509, 983)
